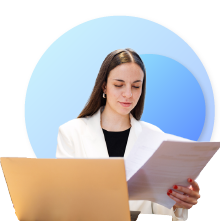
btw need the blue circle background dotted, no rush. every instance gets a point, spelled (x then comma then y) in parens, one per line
(179, 96)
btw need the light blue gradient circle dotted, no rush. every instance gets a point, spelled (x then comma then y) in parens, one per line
(65, 75)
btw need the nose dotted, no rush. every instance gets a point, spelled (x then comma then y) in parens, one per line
(127, 92)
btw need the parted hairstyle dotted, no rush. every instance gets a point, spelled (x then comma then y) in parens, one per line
(112, 60)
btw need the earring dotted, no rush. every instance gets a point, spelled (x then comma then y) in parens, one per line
(104, 95)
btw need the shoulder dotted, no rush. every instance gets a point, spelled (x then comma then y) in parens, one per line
(74, 125)
(150, 126)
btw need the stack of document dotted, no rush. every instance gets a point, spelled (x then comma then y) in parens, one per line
(159, 160)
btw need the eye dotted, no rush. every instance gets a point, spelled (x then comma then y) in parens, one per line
(118, 85)
(135, 87)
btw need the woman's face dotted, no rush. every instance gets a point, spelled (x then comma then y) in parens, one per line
(124, 87)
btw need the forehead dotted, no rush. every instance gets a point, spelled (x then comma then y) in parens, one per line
(127, 71)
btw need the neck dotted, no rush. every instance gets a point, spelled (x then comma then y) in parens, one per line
(113, 121)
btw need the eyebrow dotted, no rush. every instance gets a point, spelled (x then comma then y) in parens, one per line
(124, 81)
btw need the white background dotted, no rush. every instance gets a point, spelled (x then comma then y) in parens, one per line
(28, 28)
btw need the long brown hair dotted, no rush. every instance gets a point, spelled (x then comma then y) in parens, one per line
(112, 60)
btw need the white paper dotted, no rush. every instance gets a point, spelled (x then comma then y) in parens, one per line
(158, 161)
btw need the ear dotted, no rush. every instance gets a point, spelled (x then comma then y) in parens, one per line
(104, 87)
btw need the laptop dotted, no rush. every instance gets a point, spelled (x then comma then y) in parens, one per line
(68, 189)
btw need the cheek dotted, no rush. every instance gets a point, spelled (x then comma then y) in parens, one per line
(113, 93)
(137, 93)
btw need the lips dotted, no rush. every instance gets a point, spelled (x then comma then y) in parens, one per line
(125, 104)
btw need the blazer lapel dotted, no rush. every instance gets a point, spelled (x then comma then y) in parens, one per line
(133, 135)
(93, 139)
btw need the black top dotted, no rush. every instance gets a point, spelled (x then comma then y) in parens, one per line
(116, 142)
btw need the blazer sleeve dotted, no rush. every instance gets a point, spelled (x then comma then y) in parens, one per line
(65, 147)
(179, 215)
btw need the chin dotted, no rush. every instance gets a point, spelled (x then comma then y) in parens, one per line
(124, 111)
(121, 110)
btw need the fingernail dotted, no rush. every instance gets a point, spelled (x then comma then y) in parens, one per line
(170, 191)
(168, 194)
(190, 180)
(175, 187)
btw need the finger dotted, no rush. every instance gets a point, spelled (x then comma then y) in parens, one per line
(177, 205)
(182, 197)
(194, 184)
(187, 191)
(181, 203)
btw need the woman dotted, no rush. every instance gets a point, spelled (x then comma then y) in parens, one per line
(110, 123)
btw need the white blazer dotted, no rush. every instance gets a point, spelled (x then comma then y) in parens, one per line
(84, 138)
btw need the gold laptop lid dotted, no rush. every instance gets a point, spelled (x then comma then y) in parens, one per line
(67, 189)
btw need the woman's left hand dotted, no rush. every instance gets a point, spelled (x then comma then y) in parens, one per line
(188, 199)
